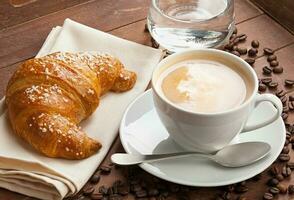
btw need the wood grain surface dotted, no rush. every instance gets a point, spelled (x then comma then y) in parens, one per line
(23, 31)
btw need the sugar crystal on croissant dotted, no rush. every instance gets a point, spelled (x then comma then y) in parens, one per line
(48, 97)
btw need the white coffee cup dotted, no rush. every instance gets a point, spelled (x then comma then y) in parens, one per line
(209, 132)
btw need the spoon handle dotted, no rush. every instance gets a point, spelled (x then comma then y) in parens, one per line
(130, 159)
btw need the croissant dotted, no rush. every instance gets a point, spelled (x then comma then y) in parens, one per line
(48, 97)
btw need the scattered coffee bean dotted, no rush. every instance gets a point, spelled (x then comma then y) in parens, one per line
(124, 190)
(286, 109)
(274, 190)
(88, 190)
(278, 70)
(153, 192)
(283, 99)
(274, 63)
(135, 188)
(273, 85)
(289, 82)
(95, 178)
(242, 50)
(290, 165)
(284, 116)
(226, 196)
(236, 40)
(268, 51)
(284, 157)
(103, 190)
(280, 93)
(96, 196)
(250, 61)
(283, 189)
(105, 169)
(141, 193)
(273, 182)
(291, 98)
(266, 70)
(286, 150)
(266, 81)
(255, 43)
(291, 105)
(286, 171)
(229, 46)
(271, 58)
(235, 30)
(274, 170)
(242, 37)
(233, 36)
(241, 188)
(252, 52)
(291, 189)
(236, 53)
(268, 196)
(280, 177)
(261, 87)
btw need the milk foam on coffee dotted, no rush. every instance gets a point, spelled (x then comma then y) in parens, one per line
(202, 86)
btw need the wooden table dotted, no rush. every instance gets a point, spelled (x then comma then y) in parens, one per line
(23, 31)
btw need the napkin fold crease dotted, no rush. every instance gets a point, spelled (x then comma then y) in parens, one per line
(24, 170)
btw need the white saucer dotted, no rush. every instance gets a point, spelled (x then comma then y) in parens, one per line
(142, 132)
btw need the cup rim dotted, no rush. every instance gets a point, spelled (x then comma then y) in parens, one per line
(194, 20)
(219, 52)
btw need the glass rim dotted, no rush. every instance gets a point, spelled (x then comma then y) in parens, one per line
(194, 20)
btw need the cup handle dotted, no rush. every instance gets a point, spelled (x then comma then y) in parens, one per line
(272, 99)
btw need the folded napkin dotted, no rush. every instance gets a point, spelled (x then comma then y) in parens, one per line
(24, 170)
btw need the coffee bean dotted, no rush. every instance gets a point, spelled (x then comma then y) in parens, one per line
(241, 50)
(284, 116)
(241, 188)
(88, 190)
(273, 182)
(266, 81)
(261, 87)
(291, 189)
(283, 99)
(274, 63)
(226, 196)
(135, 188)
(266, 70)
(96, 196)
(273, 85)
(286, 171)
(95, 178)
(283, 189)
(236, 53)
(285, 150)
(274, 170)
(141, 193)
(278, 70)
(280, 93)
(250, 61)
(255, 43)
(274, 190)
(123, 190)
(291, 98)
(165, 193)
(242, 37)
(103, 190)
(271, 58)
(290, 165)
(280, 177)
(268, 51)
(285, 109)
(235, 31)
(233, 36)
(291, 105)
(289, 82)
(105, 169)
(252, 52)
(268, 196)
(229, 46)
(235, 40)
(153, 192)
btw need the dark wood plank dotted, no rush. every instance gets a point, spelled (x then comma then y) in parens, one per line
(282, 11)
(10, 15)
(23, 41)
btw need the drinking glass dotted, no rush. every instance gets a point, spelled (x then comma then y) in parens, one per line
(180, 24)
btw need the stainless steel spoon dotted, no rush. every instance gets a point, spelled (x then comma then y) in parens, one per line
(236, 155)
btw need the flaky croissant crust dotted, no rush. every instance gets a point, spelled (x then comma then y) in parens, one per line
(48, 97)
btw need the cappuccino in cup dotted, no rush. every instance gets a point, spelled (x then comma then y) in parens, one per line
(204, 86)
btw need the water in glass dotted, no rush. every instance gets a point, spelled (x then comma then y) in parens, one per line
(182, 24)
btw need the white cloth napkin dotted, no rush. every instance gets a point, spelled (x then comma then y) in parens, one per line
(24, 170)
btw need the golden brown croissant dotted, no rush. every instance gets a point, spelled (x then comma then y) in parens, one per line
(48, 97)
